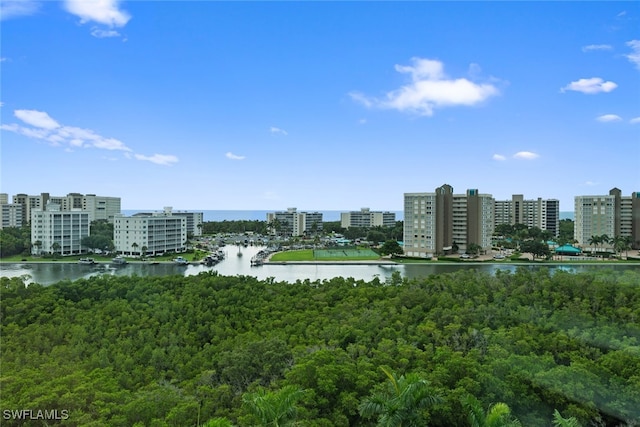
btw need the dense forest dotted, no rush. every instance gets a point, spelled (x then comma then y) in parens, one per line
(184, 351)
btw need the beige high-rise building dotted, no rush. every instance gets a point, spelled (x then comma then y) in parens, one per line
(612, 215)
(98, 207)
(540, 213)
(438, 222)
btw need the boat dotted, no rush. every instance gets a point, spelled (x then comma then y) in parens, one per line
(119, 260)
(86, 261)
(181, 261)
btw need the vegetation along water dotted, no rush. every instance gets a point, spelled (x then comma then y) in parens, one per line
(442, 350)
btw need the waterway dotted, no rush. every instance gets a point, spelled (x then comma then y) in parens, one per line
(49, 273)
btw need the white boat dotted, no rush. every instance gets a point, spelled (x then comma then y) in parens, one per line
(119, 260)
(86, 261)
(181, 261)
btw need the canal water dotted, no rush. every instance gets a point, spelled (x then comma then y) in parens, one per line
(49, 273)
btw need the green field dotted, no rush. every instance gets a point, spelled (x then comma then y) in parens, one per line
(326, 255)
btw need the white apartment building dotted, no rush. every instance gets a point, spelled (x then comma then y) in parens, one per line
(56, 231)
(194, 221)
(365, 218)
(150, 233)
(293, 223)
(439, 222)
(540, 213)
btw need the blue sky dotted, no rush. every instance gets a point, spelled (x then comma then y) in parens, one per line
(318, 105)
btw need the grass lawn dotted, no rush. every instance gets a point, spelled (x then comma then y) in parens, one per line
(307, 255)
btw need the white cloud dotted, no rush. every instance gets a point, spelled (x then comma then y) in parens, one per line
(158, 159)
(276, 130)
(526, 155)
(499, 157)
(590, 86)
(232, 156)
(635, 120)
(609, 118)
(15, 8)
(634, 56)
(429, 89)
(101, 11)
(36, 118)
(101, 34)
(44, 127)
(362, 121)
(596, 47)
(590, 183)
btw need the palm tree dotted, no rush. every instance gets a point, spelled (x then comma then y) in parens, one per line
(134, 245)
(401, 403)
(55, 248)
(594, 241)
(558, 421)
(498, 414)
(274, 408)
(144, 250)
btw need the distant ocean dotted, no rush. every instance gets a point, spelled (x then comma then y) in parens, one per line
(217, 216)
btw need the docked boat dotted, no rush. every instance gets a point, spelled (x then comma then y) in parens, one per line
(86, 261)
(181, 261)
(119, 260)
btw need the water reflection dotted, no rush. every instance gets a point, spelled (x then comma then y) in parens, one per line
(48, 273)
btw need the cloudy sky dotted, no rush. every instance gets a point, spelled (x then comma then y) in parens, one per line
(318, 105)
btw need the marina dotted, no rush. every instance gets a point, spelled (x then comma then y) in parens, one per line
(255, 264)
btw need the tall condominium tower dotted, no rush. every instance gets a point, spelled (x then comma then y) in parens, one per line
(437, 222)
(540, 213)
(613, 215)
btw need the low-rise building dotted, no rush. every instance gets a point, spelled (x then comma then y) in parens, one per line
(366, 218)
(56, 231)
(291, 223)
(150, 233)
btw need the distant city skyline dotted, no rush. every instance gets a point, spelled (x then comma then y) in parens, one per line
(318, 105)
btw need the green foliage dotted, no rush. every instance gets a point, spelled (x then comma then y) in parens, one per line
(498, 414)
(242, 226)
(402, 402)
(174, 350)
(14, 241)
(391, 247)
(274, 408)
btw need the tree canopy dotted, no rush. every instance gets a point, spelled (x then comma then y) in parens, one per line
(178, 351)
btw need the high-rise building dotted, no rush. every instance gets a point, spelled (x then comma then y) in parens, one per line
(56, 231)
(438, 222)
(365, 218)
(11, 215)
(98, 207)
(293, 223)
(612, 215)
(540, 213)
(150, 233)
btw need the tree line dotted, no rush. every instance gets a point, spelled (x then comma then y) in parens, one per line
(180, 351)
